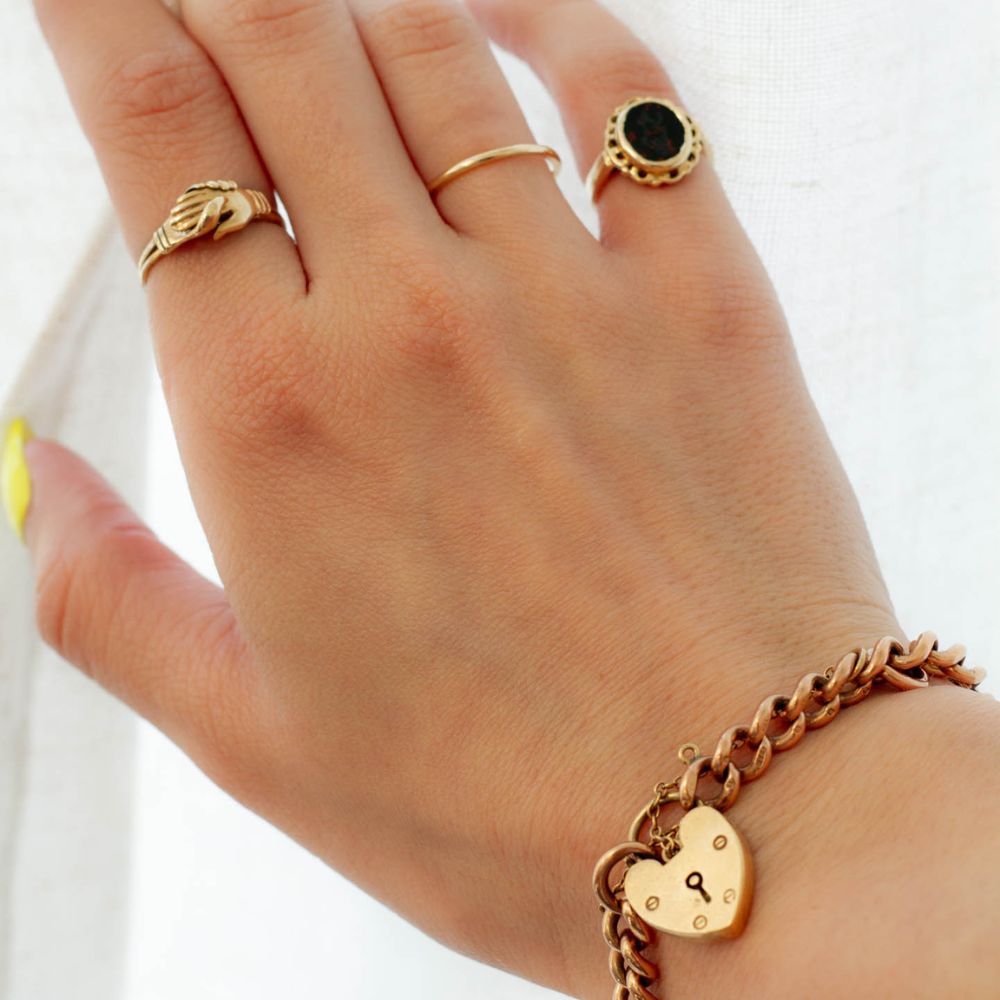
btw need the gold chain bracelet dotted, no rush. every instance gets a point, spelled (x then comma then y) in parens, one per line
(709, 895)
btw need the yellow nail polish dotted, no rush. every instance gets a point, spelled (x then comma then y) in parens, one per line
(15, 479)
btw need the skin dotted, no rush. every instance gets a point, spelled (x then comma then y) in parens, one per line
(503, 513)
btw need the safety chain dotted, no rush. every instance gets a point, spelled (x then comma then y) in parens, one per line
(847, 683)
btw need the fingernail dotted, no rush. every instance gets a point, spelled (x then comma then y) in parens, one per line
(15, 479)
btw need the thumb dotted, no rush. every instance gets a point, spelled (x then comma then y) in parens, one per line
(120, 605)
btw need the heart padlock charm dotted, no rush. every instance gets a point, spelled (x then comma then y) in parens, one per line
(705, 889)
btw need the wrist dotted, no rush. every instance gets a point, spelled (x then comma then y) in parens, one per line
(827, 808)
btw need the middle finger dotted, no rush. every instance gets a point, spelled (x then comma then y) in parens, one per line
(451, 100)
(314, 106)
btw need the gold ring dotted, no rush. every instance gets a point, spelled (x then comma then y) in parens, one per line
(649, 139)
(217, 207)
(491, 156)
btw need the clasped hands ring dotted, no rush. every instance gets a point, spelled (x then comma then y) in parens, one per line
(216, 207)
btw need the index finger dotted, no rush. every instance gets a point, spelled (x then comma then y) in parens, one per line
(160, 118)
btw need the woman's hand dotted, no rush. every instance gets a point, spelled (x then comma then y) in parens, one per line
(503, 513)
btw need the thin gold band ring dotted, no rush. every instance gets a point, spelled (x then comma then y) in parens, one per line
(491, 156)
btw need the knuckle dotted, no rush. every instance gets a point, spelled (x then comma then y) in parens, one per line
(56, 593)
(535, 21)
(436, 330)
(66, 591)
(281, 27)
(410, 29)
(159, 95)
(732, 309)
(272, 389)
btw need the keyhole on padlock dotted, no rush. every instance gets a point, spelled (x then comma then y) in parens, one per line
(694, 881)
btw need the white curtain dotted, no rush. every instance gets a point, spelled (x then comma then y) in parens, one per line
(858, 141)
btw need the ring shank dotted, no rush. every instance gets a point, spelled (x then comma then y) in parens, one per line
(154, 251)
(491, 156)
(600, 173)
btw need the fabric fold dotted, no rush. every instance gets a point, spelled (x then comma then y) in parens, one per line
(66, 748)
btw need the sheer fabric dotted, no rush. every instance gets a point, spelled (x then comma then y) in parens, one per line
(857, 141)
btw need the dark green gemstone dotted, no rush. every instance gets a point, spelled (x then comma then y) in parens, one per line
(654, 131)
